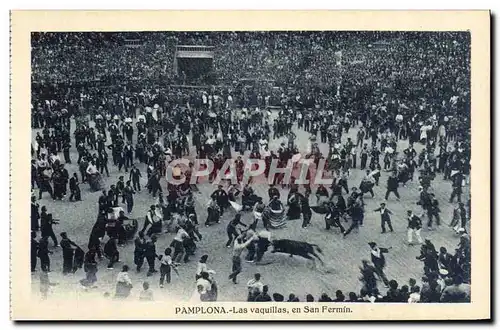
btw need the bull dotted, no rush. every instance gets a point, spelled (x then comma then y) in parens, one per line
(298, 248)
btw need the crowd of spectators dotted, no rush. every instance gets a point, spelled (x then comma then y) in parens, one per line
(427, 72)
(289, 58)
(88, 57)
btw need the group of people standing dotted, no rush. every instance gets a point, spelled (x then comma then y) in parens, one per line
(139, 131)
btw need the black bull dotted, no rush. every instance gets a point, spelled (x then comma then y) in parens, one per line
(297, 248)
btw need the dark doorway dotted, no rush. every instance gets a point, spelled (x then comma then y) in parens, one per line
(196, 70)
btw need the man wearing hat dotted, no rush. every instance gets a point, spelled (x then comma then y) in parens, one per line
(384, 217)
(135, 176)
(378, 260)
(414, 227)
(220, 196)
(392, 186)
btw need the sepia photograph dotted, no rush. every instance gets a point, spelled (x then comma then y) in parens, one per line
(216, 170)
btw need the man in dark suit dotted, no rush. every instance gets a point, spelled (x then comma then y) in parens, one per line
(392, 186)
(220, 196)
(46, 222)
(384, 217)
(64, 179)
(409, 152)
(135, 175)
(120, 187)
(139, 251)
(74, 188)
(154, 184)
(66, 148)
(104, 203)
(357, 214)
(433, 212)
(113, 196)
(68, 252)
(128, 153)
(150, 254)
(128, 196)
(83, 168)
(103, 162)
(332, 218)
(457, 187)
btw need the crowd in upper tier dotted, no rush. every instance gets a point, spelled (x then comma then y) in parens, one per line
(410, 62)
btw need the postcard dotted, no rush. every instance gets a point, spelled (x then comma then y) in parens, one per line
(250, 165)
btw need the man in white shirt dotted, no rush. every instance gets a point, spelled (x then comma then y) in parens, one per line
(166, 265)
(255, 287)
(239, 246)
(178, 245)
(204, 282)
(202, 267)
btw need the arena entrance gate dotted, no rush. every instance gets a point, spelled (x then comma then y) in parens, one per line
(194, 64)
